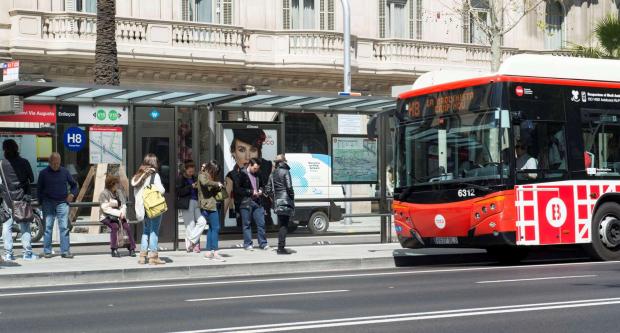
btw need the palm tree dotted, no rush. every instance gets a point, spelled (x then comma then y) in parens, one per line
(607, 33)
(106, 60)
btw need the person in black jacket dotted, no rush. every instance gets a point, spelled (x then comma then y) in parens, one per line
(18, 176)
(248, 192)
(280, 189)
(187, 203)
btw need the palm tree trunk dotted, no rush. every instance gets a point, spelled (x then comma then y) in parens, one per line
(106, 60)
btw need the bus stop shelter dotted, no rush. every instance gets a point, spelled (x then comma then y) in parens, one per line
(147, 118)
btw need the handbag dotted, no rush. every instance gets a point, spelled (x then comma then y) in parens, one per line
(121, 235)
(21, 210)
(154, 202)
(221, 194)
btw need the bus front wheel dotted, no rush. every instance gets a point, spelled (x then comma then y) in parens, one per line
(508, 254)
(605, 233)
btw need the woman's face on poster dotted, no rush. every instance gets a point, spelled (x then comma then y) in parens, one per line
(244, 152)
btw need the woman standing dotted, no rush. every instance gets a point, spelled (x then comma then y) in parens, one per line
(146, 175)
(187, 202)
(209, 188)
(113, 214)
(280, 189)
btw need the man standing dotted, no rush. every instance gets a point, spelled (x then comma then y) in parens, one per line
(18, 176)
(250, 196)
(54, 199)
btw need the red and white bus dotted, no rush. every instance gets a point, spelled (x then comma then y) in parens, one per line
(525, 157)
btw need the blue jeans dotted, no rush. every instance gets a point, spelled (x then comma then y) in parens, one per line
(213, 234)
(56, 211)
(7, 237)
(150, 234)
(257, 213)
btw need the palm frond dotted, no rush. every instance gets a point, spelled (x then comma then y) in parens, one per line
(586, 51)
(608, 34)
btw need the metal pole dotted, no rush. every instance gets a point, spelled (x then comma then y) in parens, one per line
(212, 123)
(382, 148)
(346, 12)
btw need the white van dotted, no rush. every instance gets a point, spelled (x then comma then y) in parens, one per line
(311, 175)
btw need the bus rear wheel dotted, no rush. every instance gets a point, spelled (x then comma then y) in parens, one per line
(605, 233)
(508, 255)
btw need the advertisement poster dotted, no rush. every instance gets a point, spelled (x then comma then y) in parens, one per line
(106, 145)
(103, 115)
(354, 160)
(240, 144)
(35, 147)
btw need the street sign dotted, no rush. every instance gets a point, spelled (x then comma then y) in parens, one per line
(349, 124)
(10, 71)
(74, 139)
(356, 94)
(103, 115)
(67, 114)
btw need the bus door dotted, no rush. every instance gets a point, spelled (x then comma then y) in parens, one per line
(544, 200)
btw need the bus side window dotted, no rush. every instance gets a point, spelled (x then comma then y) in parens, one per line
(601, 137)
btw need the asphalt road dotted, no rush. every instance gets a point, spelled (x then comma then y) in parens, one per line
(569, 296)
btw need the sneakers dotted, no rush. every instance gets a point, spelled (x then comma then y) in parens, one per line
(265, 248)
(30, 257)
(188, 246)
(249, 248)
(8, 257)
(67, 255)
(47, 255)
(218, 257)
(209, 255)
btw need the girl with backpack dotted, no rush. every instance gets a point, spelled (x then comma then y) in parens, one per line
(146, 183)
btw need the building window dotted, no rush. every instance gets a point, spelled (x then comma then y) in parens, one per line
(327, 15)
(87, 6)
(382, 24)
(418, 16)
(554, 26)
(400, 19)
(208, 11)
(303, 14)
(475, 18)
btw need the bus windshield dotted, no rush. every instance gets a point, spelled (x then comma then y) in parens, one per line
(464, 147)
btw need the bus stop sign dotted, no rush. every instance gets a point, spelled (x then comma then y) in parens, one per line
(74, 138)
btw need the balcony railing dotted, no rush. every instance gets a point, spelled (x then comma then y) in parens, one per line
(81, 26)
(197, 35)
(316, 42)
(163, 39)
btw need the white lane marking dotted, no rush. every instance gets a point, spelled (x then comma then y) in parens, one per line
(355, 321)
(267, 295)
(539, 279)
(302, 278)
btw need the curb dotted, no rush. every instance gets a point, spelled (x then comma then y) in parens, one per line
(151, 273)
(159, 273)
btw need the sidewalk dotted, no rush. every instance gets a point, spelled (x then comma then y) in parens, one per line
(182, 265)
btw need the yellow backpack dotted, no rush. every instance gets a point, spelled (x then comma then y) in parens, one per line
(154, 202)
